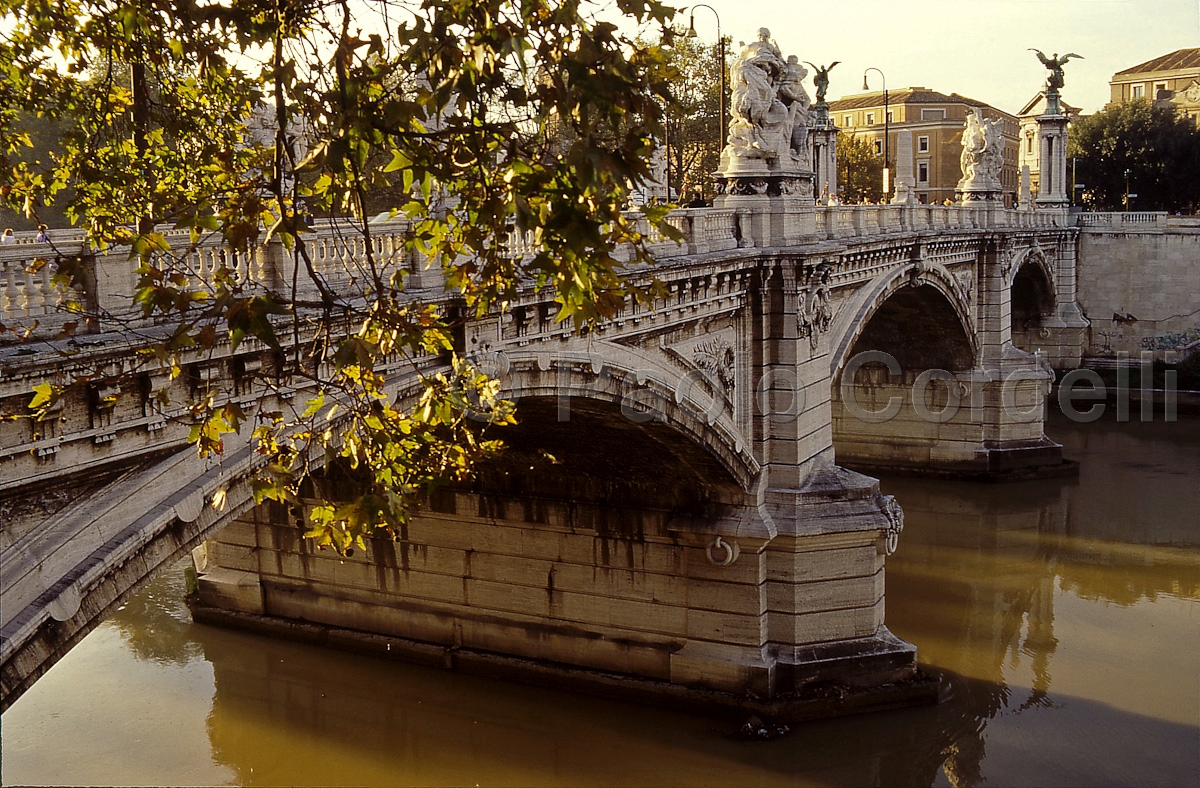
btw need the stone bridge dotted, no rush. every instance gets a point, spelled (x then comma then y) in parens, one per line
(694, 530)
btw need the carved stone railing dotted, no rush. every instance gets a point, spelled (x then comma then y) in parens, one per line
(1115, 219)
(28, 299)
(337, 257)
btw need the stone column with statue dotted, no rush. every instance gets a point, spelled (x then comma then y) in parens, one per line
(1052, 138)
(824, 138)
(1063, 332)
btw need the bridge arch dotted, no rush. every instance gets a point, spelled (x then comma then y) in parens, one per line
(685, 435)
(694, 405)
(1033, 300)
(936, 287)
(898, 376)
(1032, 256)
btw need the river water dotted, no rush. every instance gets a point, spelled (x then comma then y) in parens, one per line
(1062, 615)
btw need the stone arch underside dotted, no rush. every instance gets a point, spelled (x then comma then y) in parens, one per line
(857, 316)
(1032, 302)
(599, 456)
(695, 410)
(907, 416)
(94, 555)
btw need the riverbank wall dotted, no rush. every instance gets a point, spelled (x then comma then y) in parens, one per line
(1139, 285)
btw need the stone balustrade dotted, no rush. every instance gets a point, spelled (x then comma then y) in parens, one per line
(337, 257)
(1117, 219)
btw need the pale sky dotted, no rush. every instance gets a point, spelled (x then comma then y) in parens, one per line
(976, 48)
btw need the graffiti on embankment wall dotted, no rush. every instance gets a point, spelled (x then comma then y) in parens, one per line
(1172, 340)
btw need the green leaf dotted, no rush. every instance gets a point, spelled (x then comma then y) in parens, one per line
(314, 406)
(400, 160)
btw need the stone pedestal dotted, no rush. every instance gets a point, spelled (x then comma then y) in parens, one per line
(764, 180)
(778, 203)
(1052, 154)
(976, 191)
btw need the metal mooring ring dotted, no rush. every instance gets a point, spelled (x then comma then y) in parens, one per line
(730, 551)
(891, 542)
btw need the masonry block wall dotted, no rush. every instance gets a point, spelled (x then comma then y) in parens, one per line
(533, 580)
(934, 428)
(1151, 275)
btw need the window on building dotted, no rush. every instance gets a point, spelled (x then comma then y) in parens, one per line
(933, 114)
(1160, 91)
(878, 147)
(1138, 91)
(847, 121)
(922, 172)
(922, 145)
(870, 118)
(1029, 143)
(891, 117)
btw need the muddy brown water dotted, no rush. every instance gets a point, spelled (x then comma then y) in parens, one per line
(1062, 615)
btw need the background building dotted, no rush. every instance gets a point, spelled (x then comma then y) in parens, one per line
(1173, 78)
(930, 124)
(1028, 139)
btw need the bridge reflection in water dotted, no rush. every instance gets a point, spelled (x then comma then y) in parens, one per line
(1062, 615)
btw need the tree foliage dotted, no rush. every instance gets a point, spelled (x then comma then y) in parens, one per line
(860, 170)
(226, 118)
(1159, 147)
(693, 114)
(43, 134)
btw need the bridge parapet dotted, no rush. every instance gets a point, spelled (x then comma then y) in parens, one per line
(31, 305)
(1120, 219)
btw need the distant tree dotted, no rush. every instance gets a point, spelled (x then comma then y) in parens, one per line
(860, 170)
(42, 133)
(694, 113)
(1159, 147)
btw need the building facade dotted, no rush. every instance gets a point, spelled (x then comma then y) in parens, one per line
(1173, 78)
(930, 125)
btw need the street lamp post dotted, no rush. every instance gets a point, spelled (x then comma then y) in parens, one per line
(691, 33)
(1127, 174)
(1074, 186)
(887, 181)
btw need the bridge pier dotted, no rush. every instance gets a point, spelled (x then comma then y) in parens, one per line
(658, 616)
